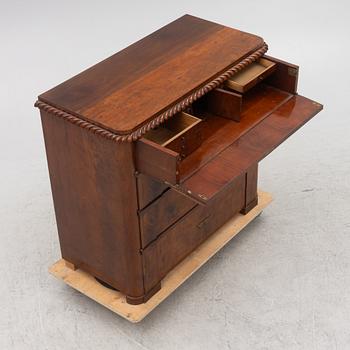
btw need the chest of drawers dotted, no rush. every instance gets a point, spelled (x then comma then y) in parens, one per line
(153, 149)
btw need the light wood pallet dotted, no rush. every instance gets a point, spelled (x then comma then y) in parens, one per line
(115, 301)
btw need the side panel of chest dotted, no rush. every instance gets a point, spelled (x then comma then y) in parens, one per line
(94, 192)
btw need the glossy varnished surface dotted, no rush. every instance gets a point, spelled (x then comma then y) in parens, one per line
(219, 133)
(251, 147)
(129, 88)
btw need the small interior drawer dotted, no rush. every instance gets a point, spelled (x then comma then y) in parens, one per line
(182, 134)
(251, 75)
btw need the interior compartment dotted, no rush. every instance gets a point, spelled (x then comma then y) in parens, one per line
(285, 76)
(251, 75)
(178, 125)
(181, 134)
(221, 102)
(222, 117)
(218, 133)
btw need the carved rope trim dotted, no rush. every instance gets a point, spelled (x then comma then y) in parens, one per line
(180, 106)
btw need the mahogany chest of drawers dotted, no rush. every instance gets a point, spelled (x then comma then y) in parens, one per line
(153, 149)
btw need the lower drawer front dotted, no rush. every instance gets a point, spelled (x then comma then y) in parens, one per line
(162, 213)
(189, 232)
(148, 189)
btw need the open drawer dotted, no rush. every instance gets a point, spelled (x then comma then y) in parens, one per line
(182, 134)
(251, 75)
(221, 169)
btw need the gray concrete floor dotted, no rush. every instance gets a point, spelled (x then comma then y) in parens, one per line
(282, 283)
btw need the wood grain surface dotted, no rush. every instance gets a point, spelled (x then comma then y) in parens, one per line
(97, 230)
(162, 213)
(251, 147)
(126, 90)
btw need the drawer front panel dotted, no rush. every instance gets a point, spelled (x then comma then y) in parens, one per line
(157, 161)
(162, 213)
(189, 232)
(149, 189)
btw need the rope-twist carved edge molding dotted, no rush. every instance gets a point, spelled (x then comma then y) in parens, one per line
(180, 106)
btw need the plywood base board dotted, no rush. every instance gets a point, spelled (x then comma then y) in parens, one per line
(115, 301)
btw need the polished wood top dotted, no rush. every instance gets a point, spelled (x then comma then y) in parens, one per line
(130, 88)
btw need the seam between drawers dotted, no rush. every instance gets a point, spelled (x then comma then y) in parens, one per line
(169, 227)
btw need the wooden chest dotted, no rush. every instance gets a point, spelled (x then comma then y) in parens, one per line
(153, 149)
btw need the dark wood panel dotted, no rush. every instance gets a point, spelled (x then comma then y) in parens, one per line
(251, 189)
(136, 60)
(156, 161)
(251, 147)
(162, 213)
(223, 103)
(188, 233)
(285, 76)
(127, 90)
(149, 189)
(94, 192)
(251, 184)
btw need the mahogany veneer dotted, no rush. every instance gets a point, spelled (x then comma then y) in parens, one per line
(153, 149)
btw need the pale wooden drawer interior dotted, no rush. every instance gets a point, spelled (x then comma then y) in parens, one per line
(179, 133)
(251, 75)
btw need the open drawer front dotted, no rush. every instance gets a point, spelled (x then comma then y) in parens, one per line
(212, 177)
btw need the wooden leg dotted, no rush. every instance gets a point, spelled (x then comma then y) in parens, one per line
(251, 189)
(249, 206)
(70, 265)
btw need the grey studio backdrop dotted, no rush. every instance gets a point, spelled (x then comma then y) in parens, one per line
(283, 283)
